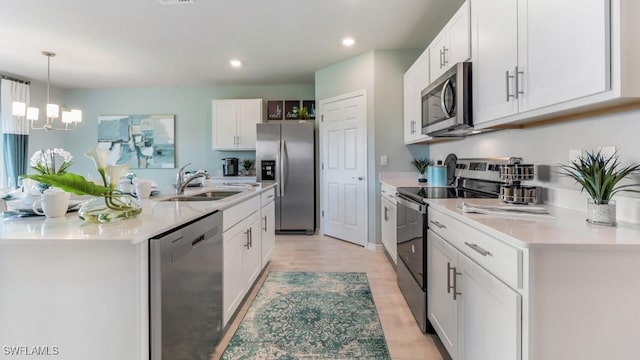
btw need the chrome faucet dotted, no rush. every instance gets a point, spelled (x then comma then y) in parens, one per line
(181, 183)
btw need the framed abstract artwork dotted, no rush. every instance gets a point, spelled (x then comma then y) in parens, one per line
(140, 141)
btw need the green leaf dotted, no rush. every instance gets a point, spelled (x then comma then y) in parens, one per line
(72, 183)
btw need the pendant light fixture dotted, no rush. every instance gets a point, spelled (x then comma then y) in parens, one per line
(68, 120)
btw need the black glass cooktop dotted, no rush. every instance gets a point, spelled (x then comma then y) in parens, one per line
(420, 193)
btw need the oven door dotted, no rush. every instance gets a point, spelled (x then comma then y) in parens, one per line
(411, 232)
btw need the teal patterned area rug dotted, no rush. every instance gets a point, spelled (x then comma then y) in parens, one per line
(307, 315)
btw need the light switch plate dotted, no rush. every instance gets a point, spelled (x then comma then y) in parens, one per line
(384, 160)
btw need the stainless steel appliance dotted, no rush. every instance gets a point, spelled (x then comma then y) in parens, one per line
(185, 290)
(230, 166)
(474, 178)
(446, 104)
(285, 153)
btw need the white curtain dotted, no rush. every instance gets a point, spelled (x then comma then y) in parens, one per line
(15, 133)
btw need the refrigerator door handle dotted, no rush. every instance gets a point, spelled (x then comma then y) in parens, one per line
(279, 170)
(283, 171)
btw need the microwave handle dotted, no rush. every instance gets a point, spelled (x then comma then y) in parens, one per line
(442, 98)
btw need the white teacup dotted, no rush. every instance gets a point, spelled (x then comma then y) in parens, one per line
(54, 203)
(142, 190)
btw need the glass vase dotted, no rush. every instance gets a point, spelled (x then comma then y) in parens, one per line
(110, 208)
(601, 214)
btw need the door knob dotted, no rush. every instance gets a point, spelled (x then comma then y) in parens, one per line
(359, 178)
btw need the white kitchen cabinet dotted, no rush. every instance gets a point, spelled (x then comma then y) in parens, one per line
(490, 314)
(474, 312)
(242, 261)
(442, 261)
(388, 226)
(415, 80)
(532, 59)
(452, 45)
(234, 123)
(268, 235)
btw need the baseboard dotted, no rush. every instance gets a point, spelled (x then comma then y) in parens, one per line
(374, 247)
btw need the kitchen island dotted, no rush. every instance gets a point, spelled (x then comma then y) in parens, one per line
(81, 290)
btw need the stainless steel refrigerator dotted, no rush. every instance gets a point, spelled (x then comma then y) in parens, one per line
(285, 153)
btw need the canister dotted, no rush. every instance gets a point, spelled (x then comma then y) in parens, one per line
(437, 175)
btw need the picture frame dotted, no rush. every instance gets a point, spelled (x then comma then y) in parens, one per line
(291, 108)
(275, 110)
(140, 141)
(311, 108)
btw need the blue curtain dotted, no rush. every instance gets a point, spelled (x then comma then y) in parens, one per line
(15, 131)
(16, 157)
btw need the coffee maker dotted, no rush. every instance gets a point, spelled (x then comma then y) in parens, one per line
(230, 166)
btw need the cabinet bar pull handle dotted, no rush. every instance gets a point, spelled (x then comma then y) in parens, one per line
(517, 79)
(449, 268)
(444, 56)
(477, 249)
(246, 234)
(250, 237)
(386, 214)
(507, 78)
(441, 60)
(265, 223)
(437, 224)
(455, 284)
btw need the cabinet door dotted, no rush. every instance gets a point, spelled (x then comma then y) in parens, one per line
(253, 252)
(494, 29)
(249, 114)
(393, 236)
(409, 104)
(490, 316)
(268, 235)
(223, 118)
(442, 308)
(234, 286)
(459, 48)
(563, 50)
(437, 55)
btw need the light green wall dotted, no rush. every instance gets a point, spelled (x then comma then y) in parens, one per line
(380, 74)
(192, 108)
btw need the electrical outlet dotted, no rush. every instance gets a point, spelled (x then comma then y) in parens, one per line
(607, 151)
(384, 160)
(574, 155)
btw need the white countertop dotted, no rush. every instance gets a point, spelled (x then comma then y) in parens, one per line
(568, 227)
(400, 179)
(157, 217)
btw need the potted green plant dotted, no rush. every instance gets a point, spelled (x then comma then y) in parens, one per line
(247, 164)
(303, 113)
(599, 176)
(421, 165)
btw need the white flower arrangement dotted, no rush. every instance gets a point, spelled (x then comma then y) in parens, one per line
(44, 161)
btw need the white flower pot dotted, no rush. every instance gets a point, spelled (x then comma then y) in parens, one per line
(601, 214)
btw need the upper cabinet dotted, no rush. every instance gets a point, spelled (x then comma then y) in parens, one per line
(452, 45)
(415, 80)
(234, 123)
(536, 58)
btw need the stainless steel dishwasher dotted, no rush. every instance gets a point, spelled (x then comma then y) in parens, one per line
(185, 290)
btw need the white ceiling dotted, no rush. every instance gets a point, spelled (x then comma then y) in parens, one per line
(141, 43)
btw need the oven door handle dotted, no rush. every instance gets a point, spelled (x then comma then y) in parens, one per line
(406, 202)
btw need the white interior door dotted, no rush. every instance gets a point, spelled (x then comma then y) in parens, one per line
(343, 168)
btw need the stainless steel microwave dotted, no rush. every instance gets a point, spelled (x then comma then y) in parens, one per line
(446, 103)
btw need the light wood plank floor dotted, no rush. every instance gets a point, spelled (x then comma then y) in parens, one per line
(321, 253)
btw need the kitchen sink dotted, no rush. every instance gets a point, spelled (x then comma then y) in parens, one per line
(205, 196)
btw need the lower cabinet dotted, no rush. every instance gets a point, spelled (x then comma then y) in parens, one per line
(242, 262)
(268, 234)
(476, 315)
(388, 228)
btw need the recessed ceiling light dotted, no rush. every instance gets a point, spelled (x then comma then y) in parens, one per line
(235, 63)
(348, 41)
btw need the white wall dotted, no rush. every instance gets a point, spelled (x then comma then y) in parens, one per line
(549, 145)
